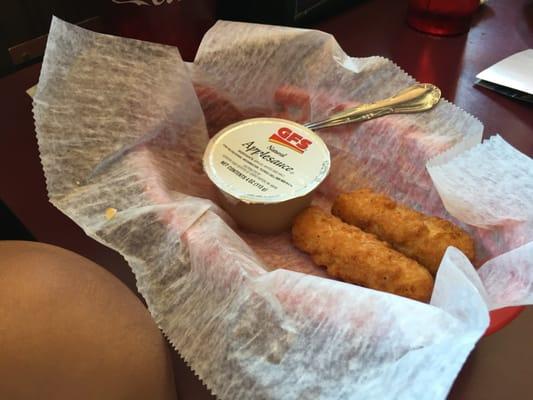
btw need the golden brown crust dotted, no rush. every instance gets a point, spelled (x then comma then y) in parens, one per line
(421, 237)
(358, 257)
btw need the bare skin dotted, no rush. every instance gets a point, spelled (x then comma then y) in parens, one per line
(71, 330)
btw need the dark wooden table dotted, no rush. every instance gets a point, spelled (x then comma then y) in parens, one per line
(501, 366)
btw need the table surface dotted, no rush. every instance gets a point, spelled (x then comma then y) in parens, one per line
(500, 366)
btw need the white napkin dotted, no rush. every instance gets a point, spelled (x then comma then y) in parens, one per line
(514, 72)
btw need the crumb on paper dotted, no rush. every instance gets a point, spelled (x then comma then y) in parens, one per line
(110, 213)
(31, 91)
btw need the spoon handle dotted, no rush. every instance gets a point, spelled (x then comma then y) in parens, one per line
(416, 98)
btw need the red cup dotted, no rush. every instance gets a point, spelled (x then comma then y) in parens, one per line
(174, 22)
(441, 17)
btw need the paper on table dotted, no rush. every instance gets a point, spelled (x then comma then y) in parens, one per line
(119, 125)
(512, 72)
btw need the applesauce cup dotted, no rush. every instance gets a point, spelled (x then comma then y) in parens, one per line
(266, 170)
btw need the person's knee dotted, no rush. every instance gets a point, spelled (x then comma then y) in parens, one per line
(69, 329)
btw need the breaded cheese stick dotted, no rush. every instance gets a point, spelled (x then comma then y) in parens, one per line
(419, 236)
(358, 257)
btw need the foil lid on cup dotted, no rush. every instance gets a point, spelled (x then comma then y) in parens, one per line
(266, 160)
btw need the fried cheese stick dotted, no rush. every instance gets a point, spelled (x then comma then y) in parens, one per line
(358, 257)
(419, 236)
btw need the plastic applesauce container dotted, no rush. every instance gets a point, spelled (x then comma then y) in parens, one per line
(266, 170)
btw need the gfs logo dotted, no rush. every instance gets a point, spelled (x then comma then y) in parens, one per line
(286, 137)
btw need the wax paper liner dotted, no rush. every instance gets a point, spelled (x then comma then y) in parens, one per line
(502, 209)
(122, 125)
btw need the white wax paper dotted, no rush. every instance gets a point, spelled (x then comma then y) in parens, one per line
(122, 124)
(502, 209)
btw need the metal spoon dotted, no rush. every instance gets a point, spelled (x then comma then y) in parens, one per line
(416, 98)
